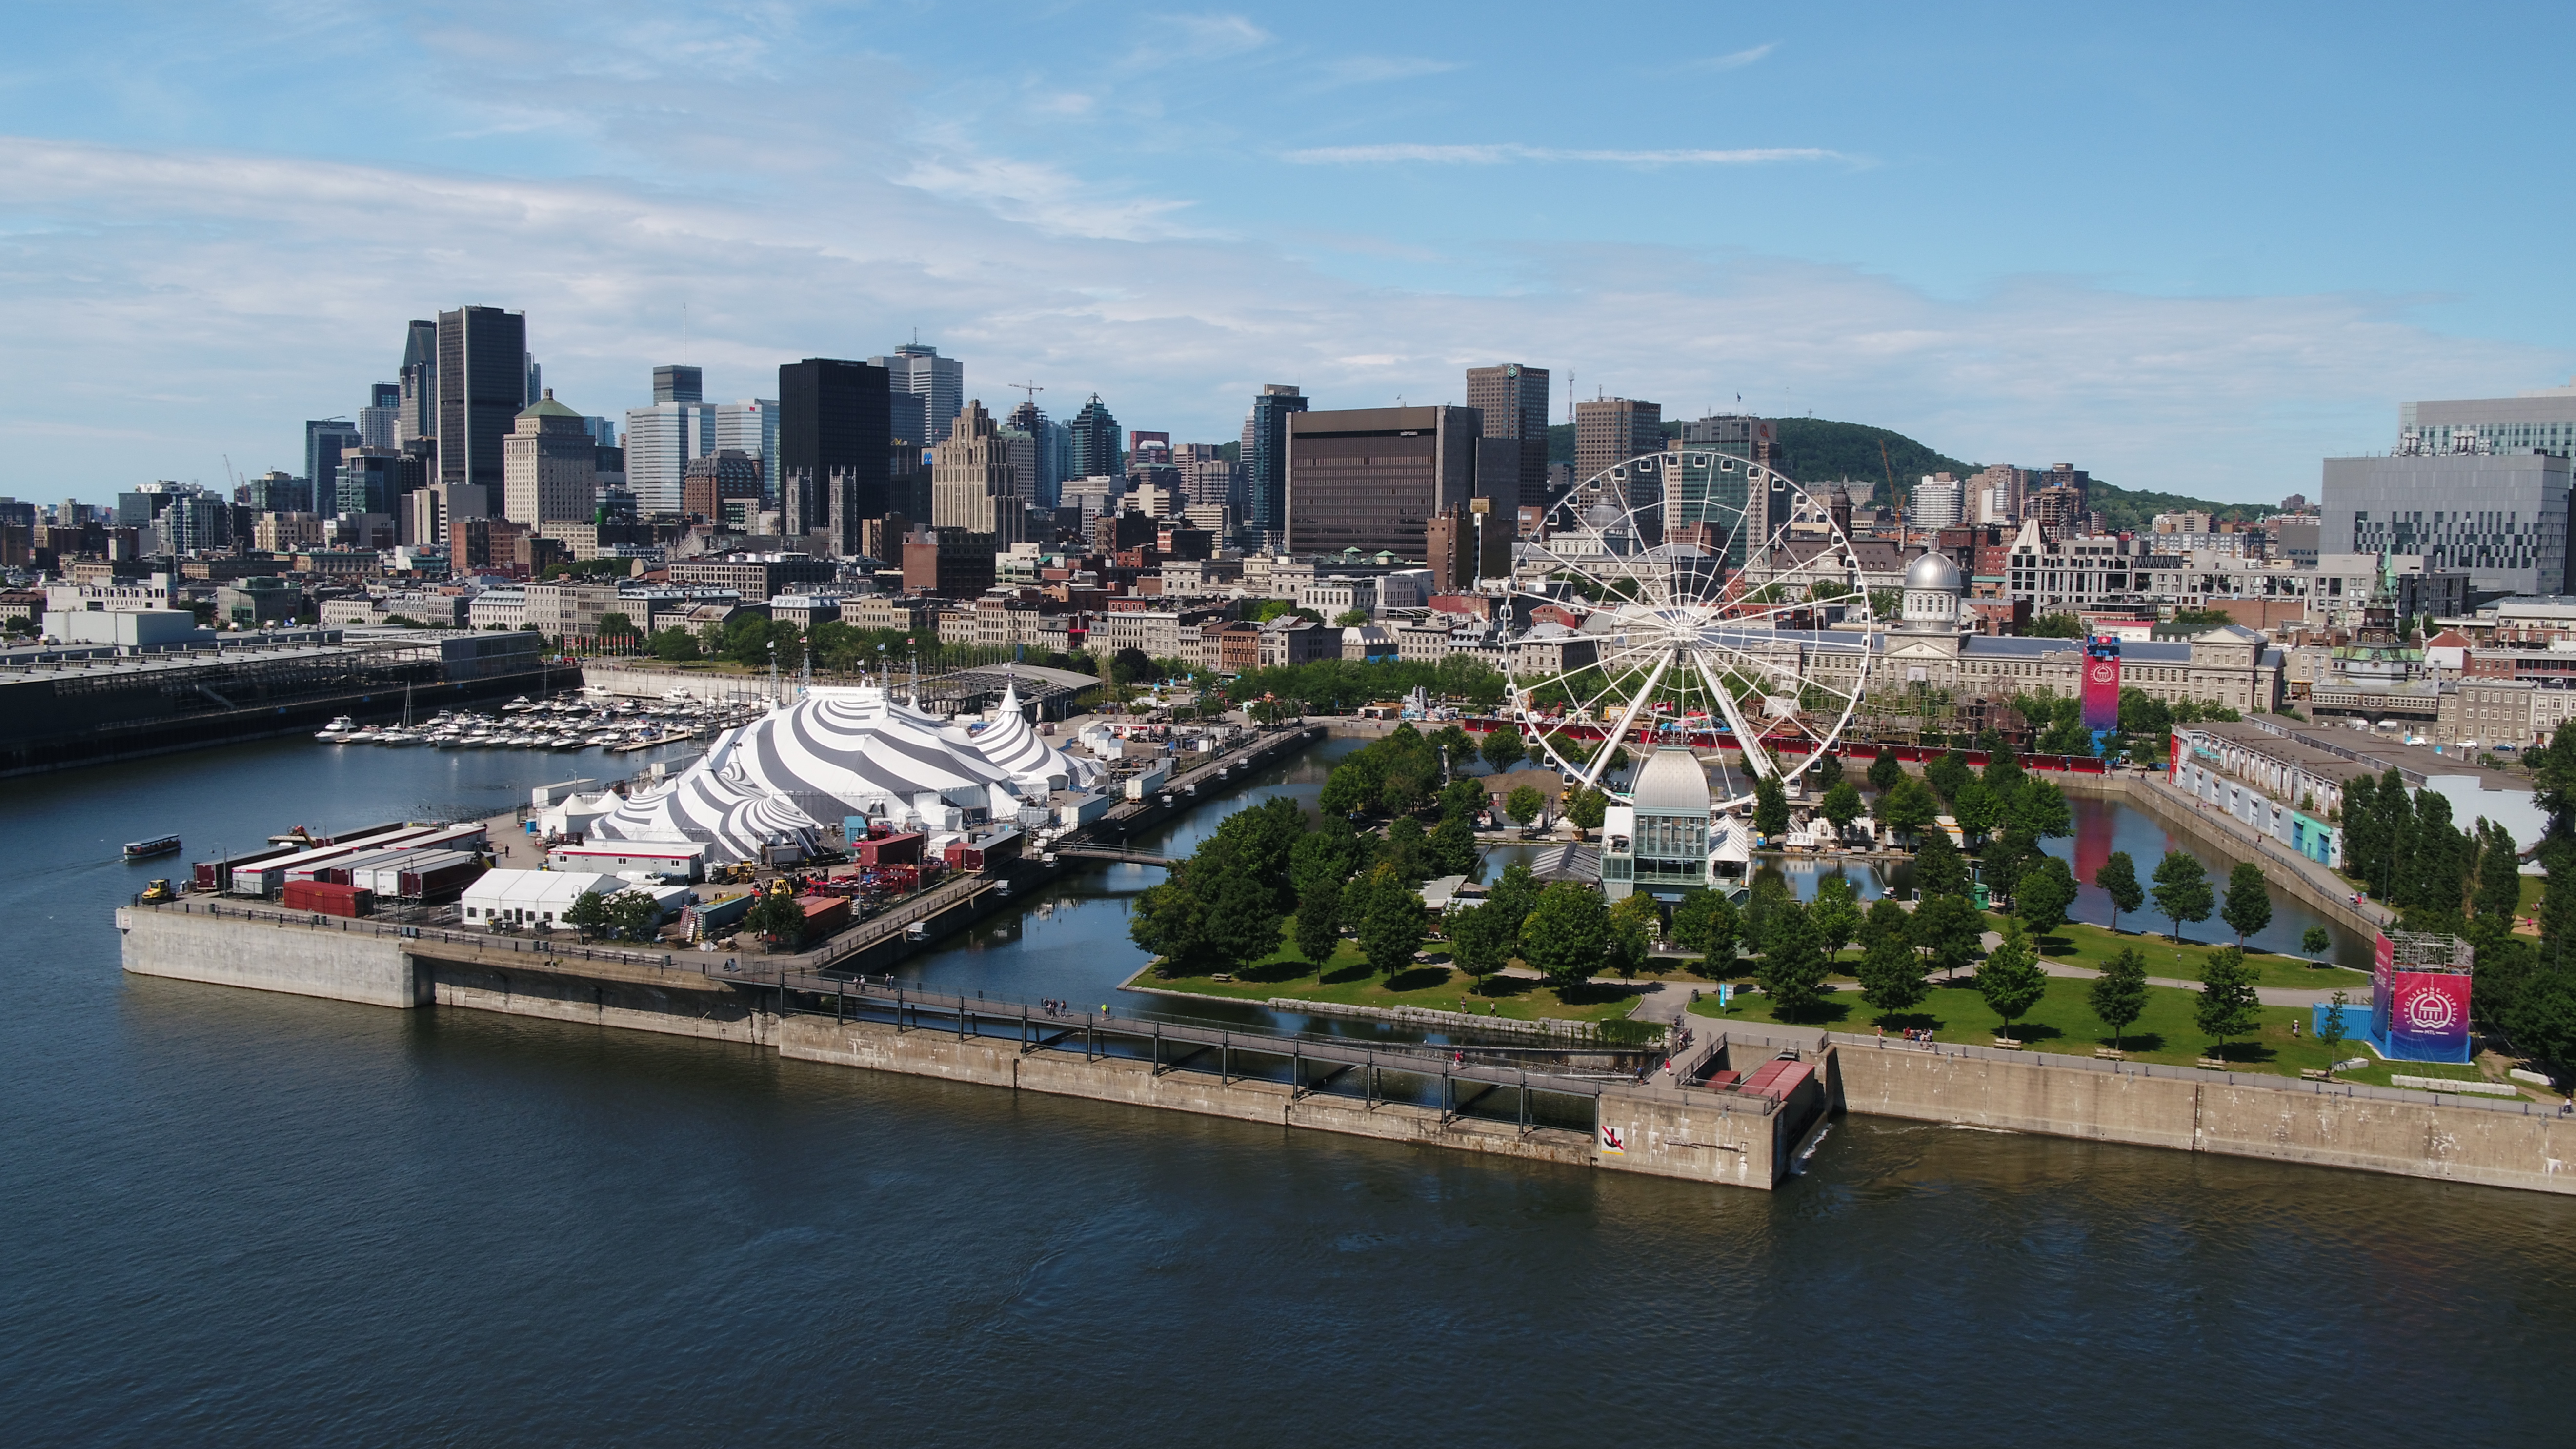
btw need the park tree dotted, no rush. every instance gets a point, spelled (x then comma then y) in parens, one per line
(1704, 923)
(1793, 969)
(1326, 854)
(1949, 929)
(1408, 849)
(1504, 748)
(634, 915)
(1885, 770)
(780, 919)
(1949, 775)
(1891, 972)
(1588, 808)
(1939, 868)
(2043, 894)
(1770, 806)
(1835, 913)
(1566, 935)
(1481, 938)
(1762, 904)
(1828, 771)
(2228, 1006)
(1908, 809)
(2182, 890)
(1977, 810)
(2499, 888)
(1517, 892)
(1841, 805)
(1885, 918)
(2248, 908)
(588, 914)
(2330, 1029)
(2009, 978)
(2039, 807)
(1524, 805)
(1319, 921)
(1633, 923)
(2315, 941)
(2003, 774)
(2118, 878)
(1390, 918)
(1453, 847)
(2119, 994)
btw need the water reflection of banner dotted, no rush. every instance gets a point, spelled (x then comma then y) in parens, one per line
(2102, 683)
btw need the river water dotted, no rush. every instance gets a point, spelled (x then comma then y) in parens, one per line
(249, 1219)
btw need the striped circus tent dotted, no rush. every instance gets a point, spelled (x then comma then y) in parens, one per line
(733, 822)
(1013, 746)
(842, 752)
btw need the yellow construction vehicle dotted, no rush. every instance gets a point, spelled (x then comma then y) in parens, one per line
(159, 890)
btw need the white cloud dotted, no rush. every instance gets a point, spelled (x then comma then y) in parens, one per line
(241, 294)
(1371, 69)
(1177, 39)
(1507, 152)
(1736, 60)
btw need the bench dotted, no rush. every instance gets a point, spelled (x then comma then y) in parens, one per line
(2111, 1054)
(2215, 1064)
(2314, 1074)
(2010, 1044)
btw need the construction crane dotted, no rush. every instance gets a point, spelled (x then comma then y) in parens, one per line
(1031, 388)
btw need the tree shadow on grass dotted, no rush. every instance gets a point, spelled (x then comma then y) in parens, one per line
(2137, 1041)
(1823, 1013)
(1594, 993)
(2260, 1053)
(1418, 978)
(1355, 971)
(1905, 1021)
(1504, 988)
(1270, 972)
(2031, 1031)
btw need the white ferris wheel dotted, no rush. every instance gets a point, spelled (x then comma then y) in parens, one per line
(1698, 599)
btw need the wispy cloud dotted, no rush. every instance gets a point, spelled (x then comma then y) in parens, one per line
(1361, 70)
(1506, 153)
(1174, 39)
(1043, 196)
(1736, 60)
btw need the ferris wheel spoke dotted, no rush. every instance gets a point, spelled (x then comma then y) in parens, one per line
(1645, 697)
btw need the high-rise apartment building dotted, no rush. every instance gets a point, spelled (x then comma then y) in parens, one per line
(1265, 461)
(660, 442)
(483, 371)
(380, 421)
(1610, 431)
(1937, 502)
(750, 427)
(1092, 450)
(832, 447)
(723, 487)
(1513, 398)
(549, 471)
(1047, 438)
(971, 483)
(1374, 478)
(325, 439)
(917, 370)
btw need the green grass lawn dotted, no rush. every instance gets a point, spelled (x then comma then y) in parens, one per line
(2063, 1023)
(1347, 979)
(2094, 946)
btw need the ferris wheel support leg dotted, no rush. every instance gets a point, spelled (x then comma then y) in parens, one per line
(1645, 698)
(1756, 759)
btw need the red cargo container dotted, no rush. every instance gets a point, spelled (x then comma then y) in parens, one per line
(824, 915)
(877, 850)
(441, 882)
(327, 898)
(983, 851)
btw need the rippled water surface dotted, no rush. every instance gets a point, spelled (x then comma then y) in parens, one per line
(240, 1218)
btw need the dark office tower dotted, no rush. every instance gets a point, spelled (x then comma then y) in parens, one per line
(1513, 399)
(831, 447)
(1374, 478)
(1091, 443)
(482, 386)
(419, 381)
(325, 439)
(1265, 461)
(679, 384)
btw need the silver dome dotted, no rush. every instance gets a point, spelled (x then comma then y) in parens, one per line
(1933, 572)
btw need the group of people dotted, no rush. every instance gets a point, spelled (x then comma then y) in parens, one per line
(1912, 1035)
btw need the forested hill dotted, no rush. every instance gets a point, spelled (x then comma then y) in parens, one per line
(1818, 450)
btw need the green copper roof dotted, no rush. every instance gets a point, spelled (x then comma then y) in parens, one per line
(547, 407)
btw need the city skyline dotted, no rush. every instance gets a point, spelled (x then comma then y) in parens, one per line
(2201, 281)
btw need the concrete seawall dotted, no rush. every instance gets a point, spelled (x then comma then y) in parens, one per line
(2284, 1124)
(354, 966)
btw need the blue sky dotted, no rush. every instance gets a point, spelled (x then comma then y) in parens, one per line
(2189, 247)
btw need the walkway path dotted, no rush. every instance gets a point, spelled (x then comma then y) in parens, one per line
(2318, 878)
